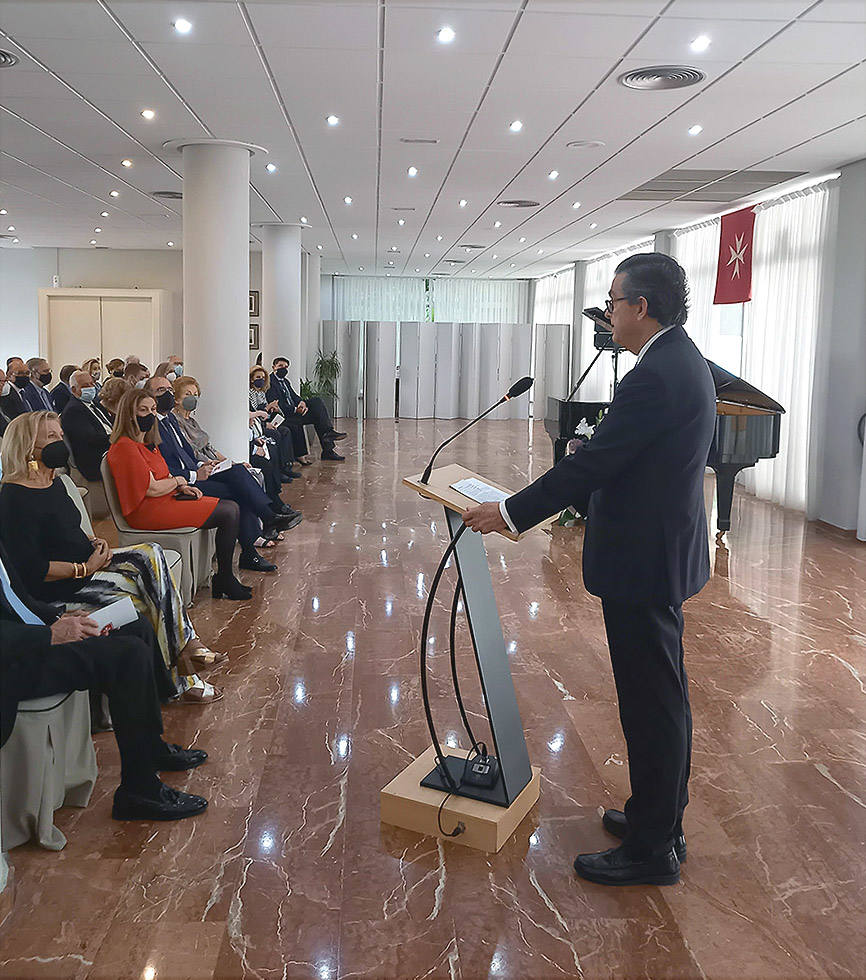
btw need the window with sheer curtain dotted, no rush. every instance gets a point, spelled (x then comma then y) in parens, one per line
(598, 385)
(554, 298)
(479, 301)
(378, 298)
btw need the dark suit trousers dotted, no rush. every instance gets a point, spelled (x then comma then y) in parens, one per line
(319, 417)
(646, 652)
(242, 487)
(120, 665)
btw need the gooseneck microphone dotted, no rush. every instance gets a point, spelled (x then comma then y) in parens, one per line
(518, 388)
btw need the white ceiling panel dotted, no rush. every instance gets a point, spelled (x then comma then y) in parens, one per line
(343, 26)
(575, 35)
(805, 44)
(845, 145)
(729, 42)
(151, 21)
(851, 11)
(741, 10)
(477, 30)
(56, 19)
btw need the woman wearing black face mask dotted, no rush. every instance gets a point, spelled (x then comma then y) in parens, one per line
(41, 528)
(279, 440)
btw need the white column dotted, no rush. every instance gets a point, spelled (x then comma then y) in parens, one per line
(281, 297)
(314, 310)
(216, 282)
(578, 320)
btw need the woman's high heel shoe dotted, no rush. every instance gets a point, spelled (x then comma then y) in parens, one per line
(230, 588)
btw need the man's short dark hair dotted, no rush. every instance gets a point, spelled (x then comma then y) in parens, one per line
(661, 281)
(277, 360)
(67, 371)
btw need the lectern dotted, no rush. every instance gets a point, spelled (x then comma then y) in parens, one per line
(412, 799)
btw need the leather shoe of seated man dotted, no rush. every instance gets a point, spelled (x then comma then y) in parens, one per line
(175, 758)
(619, 866)
(282, 522)
(331, 454)
(336, 436)
(615, 823)
(161, 803)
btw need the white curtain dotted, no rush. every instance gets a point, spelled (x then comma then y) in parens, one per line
(480, 301)
(793, 239)
(598, 385)
(378, 298)
(697, 250)
(554, 298)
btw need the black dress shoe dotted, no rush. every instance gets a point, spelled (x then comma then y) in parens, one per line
(167, 803)
(615, 823)
(618, 867)
(286, 477)
(282, 522)
(229, 587)
(174, 758)
(336, 436)
(330, 454)
(254, 562)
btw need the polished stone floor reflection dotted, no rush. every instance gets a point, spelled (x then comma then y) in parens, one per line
(289, 873)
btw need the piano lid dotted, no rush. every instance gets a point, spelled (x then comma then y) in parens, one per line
(730, 388)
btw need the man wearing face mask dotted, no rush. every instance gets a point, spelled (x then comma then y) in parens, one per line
(175, 368)
(136, 374)
(60, 393)
(11, 403)
(35, 392)
(85, 432)
(299, 413)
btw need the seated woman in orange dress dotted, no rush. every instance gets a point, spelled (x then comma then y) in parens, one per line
(153, 500)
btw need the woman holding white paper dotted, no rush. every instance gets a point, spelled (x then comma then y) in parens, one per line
(41, 529)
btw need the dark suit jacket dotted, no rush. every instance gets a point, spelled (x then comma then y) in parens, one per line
(12, 405)
(181, 459)
(60, 396)
(86, 437)
(642, 474)
(21, 646)
(282, 391)
(33, 400)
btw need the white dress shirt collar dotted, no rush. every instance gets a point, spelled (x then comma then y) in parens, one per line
(647, 345)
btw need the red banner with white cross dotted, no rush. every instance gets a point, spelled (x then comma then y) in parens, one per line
(734, 275)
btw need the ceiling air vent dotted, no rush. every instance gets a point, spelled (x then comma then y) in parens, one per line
(585, 144)
(7, 59)
(519, 203)
(658, 77)
(470, 247)
(168, 195)
(402, 209)
(417, 139)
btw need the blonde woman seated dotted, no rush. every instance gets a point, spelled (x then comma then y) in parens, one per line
(40, 527)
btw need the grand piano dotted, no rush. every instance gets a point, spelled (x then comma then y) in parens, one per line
(747, 429)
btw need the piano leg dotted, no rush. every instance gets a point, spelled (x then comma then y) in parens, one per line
(725, 476)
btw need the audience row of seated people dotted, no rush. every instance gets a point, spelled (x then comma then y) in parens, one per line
(167, 474)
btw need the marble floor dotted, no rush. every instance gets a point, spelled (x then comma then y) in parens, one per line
(289, 872)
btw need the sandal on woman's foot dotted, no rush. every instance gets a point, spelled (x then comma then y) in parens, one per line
(200, 693)
(204, 657)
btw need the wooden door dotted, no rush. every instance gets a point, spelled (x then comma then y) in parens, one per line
(127, 328)
(73, 330)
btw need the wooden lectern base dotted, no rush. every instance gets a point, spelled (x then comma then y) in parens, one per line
(405, 803)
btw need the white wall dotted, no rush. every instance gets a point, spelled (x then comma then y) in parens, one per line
(24, 271)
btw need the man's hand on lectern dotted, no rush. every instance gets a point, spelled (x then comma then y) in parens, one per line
(484, 518)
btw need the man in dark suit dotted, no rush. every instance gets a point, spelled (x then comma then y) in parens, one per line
(44, 652)
(60, 393)
(35, 394)
(85, 432)
(12, 404)
(299, 413)
(235, 483)
(645, 551)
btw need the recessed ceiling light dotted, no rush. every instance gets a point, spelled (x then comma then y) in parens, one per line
(103, 214)
(463, 202)
(11, 228)
(148, 114)
(438, 238)
(700, 43)
(360, 268)
(354, 236)
(182, 26)
(401, 222)
(303, 220)
(3, 211)
(516, 126)
(512, 265)
(97, 230)
(426, 255)
(417, 270)
(114, 193)
(387, 275)
(320, 247)
(445, 35)
(15, 241)
(92, 241)
(271, 168)
(333, 120)
(575, 205)
(347, 199)
(126, 163)
(390, 263)
(522, 238)
(412, 172)
(553, 175)
(540, 251)
(696, 129)
(495, 256)
(497, 224)
(472, 270)
(170, 244)
(593, 224)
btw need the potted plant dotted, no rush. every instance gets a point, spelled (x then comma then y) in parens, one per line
(326, 371)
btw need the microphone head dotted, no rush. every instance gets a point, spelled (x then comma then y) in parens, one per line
(524, 384)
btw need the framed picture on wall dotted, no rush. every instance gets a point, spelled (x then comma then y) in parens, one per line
(254, 302)
(254, 336)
